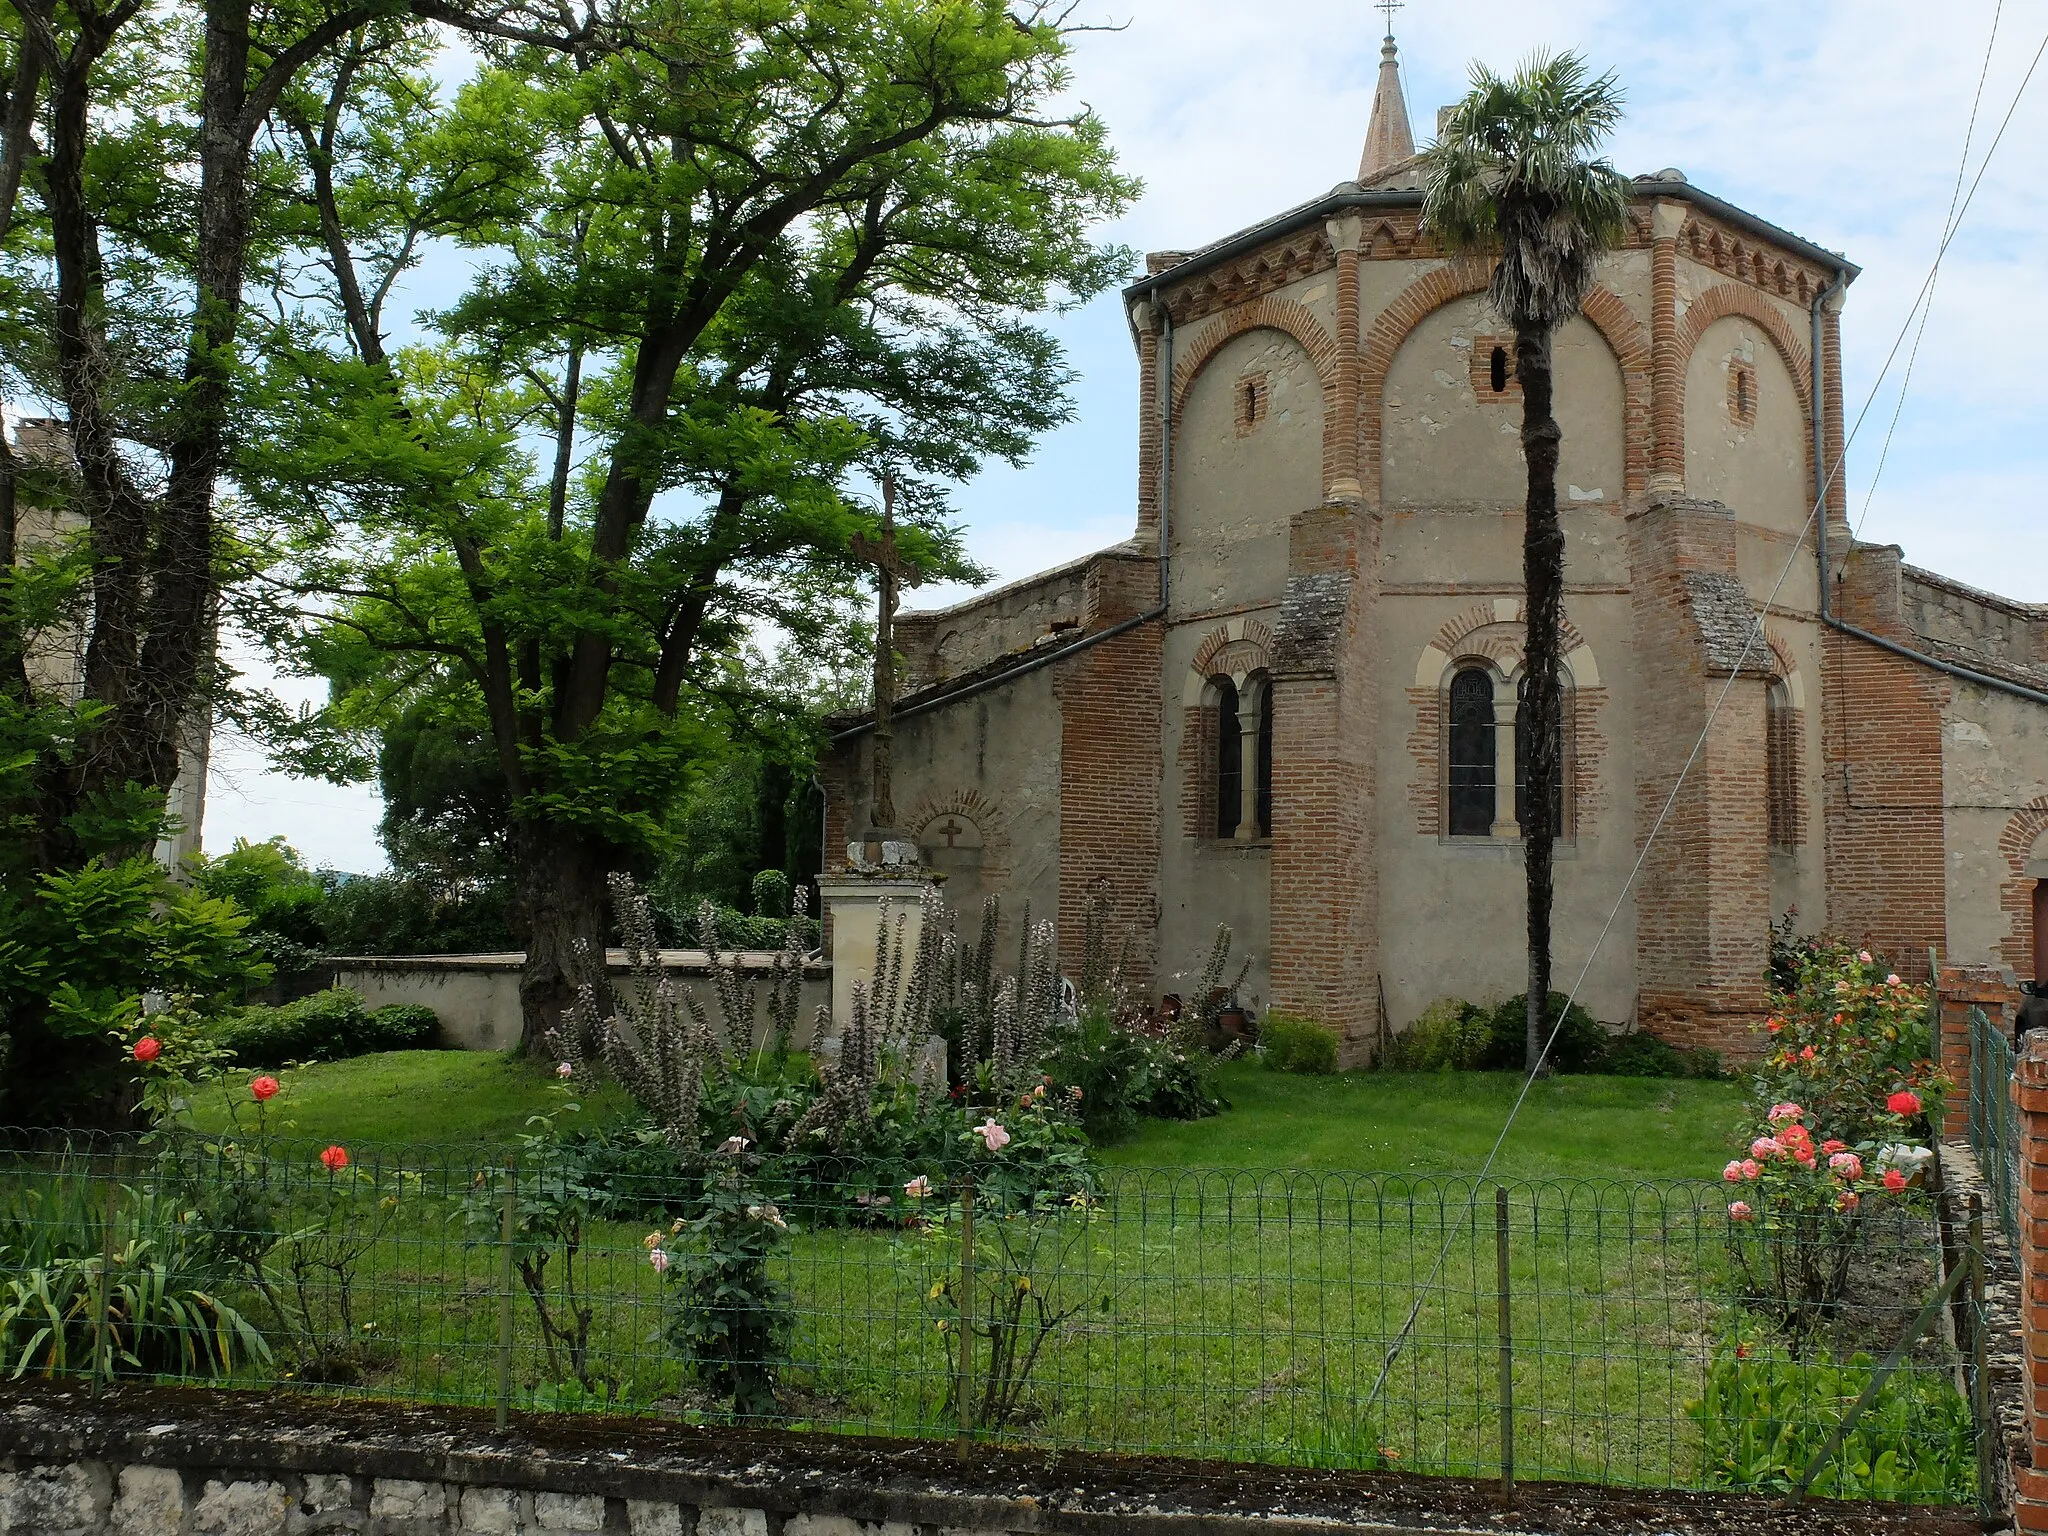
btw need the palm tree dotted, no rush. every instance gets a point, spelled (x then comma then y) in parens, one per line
(1512, 175)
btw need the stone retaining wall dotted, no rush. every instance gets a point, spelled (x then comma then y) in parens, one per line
(147, 1461)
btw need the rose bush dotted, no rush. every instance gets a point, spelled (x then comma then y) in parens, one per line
(1850, 1042)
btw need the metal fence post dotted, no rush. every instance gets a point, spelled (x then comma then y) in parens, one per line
(1507, 1341)
(508, 1226)
(102, 1340)
(1980, 1372)
(964, 1386)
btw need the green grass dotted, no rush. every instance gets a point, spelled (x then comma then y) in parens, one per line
(1587, 1127)
(441, 1097)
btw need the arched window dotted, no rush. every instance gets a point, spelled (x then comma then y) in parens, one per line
(1229, 759)
(1781, 766)
(1265, 760)
(1525, 739)
(1471, 782)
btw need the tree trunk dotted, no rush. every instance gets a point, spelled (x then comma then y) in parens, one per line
(1543, 584)
(562, 880)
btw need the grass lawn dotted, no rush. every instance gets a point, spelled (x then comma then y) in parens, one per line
(1587, 1127)
(450, 1097)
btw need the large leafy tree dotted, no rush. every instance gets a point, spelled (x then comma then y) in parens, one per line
(733, 259)
(1513, 175)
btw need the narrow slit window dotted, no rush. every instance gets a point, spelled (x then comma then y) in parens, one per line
(1498, 375)
(1229, 760)
(1781, 768)
(1471, 780)
(1265, 764)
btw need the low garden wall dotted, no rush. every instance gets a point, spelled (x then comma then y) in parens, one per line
(164, 1462)
(477, 996)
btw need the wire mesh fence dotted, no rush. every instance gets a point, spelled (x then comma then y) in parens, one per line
(1994, 1127)
(1624, 1333)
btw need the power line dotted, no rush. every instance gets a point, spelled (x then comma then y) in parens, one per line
(1906, 379)
(1692, 757)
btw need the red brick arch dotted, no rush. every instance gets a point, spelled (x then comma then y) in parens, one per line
(1422, 298)
(2016, 897)
(1266, 314)
(988, 819)
(1733, 301)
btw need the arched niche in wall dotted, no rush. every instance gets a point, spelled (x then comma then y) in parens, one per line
(1448, 438)
(1747, 435)
(1247, 456)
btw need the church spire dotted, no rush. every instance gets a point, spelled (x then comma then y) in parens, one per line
(1388, 140)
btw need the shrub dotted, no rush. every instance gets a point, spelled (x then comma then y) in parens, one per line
(398, 1027)
(1291, 1043)
(1450, 1034)
(1764, 1417)
(1642, 1054)
(771, 894)
(1844, 1039)
(1581, 1042)
(324, 1026)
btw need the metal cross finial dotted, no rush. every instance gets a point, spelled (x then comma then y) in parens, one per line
(1389, 7)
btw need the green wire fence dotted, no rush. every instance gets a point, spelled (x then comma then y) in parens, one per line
(1994, 1126)
(1614, 1332)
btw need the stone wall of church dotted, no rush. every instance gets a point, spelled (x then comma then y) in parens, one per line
(1994, 785)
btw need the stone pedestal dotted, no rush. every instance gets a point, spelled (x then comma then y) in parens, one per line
(855, 905)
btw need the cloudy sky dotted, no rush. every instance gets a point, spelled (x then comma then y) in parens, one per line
(1842, 120)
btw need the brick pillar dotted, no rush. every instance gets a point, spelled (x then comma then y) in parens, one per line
(1111, 772)
(1703, 905)
(1667, 368)
(2030, 1099)
(1342, 472)
(1146, 318)
(1325, 887)
(1963, 987)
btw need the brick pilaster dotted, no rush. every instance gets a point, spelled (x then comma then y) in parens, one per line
(2030, 1099)
(1667, 366)
(1345, 236)
(1963, 987)
(1831, 424)
(1146, 318)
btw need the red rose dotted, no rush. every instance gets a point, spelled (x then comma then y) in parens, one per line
(263, 1088)
(334, 1159)
(1904, 1102)
(148, 1048)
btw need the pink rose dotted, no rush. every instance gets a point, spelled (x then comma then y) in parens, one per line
(1864, 956)
(1739, 1211)
(1848, 1165)
(1732, 1173)
(919, 1188)
(1893, 980)
(1849, 1200)
(565, 1070)
(659, 1259)
(1751, 1167)
(1780, 1113)
(993, 1136)
(1765, 1147)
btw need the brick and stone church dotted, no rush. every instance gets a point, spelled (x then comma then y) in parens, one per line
(1289, 702)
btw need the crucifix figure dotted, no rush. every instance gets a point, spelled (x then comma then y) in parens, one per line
(892, 571)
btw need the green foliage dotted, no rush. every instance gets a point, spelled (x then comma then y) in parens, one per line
(164, 1311)
(1765, 1416)
(285, 901)
(1290, 1043)
(771, 894)
(1511, 173)
(1844, 1038)
(1580, 1043)
(324, 1026)
(399, 914)
(1642, 1054)
(1449, 1034)
(731, 1315)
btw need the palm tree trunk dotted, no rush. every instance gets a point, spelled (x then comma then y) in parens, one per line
(1543, 584)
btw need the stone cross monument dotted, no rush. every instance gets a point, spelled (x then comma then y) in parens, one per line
(882, 845)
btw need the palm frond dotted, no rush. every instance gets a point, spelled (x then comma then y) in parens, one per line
(1512, 175)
